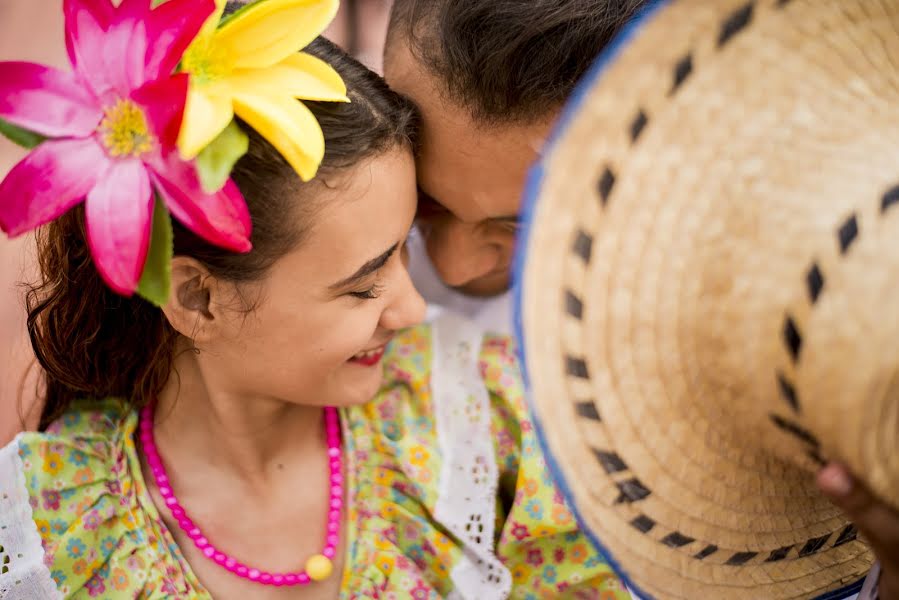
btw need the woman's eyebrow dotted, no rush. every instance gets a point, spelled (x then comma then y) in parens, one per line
(365, 270)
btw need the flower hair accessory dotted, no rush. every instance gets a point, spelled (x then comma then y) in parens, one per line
(147, 81)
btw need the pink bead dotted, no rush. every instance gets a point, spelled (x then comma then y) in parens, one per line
(177, 512)
(230, 563)
(253, 574)
(336, 503)
(303, 579)
(334, 515)
(337, 478)
(265, 578)
(162, 479)
(329, 552)
(219, 558)
(335, 466)
(165, 491)
(242, 570)
(209, 551)
(201, 542)
(194, 533)
(185, 524)
(290, 579)
(171, 501)
(334, 452)
(278, 579)
(336, 491)
(333, 540)
(333, 526)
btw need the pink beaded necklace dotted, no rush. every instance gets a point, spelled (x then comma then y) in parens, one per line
(318, 567)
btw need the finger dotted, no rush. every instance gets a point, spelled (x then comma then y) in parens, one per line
(878, 522)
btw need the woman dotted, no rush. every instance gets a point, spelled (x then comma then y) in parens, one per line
(192, 452)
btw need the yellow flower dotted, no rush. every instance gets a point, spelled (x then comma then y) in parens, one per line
(43, 528)
(252, 66)
(386, 563)
(419, 455)
(52, 463)
(442, 542)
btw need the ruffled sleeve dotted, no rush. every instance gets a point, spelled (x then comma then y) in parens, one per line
(94, 517)
(539, 540)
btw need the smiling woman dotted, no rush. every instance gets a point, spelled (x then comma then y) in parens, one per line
(279, 419)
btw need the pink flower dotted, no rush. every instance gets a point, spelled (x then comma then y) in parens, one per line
(534, 557)
(520, 532)
(51, 499)
(113, 125)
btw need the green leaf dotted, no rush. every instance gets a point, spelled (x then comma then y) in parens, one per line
(216, 160)
(156, 280)
(22, 137)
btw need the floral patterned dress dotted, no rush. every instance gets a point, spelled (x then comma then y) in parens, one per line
(448, 494)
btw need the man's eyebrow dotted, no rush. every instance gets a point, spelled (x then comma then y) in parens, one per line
(365, 270)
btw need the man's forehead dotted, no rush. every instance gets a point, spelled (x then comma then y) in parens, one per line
(474, 169)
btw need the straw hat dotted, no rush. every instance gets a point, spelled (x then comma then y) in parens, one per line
(709, 293)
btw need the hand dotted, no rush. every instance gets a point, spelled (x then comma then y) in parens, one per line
(876, 521)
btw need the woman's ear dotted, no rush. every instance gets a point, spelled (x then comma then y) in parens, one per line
(191, 309)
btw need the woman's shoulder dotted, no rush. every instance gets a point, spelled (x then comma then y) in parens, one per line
(79, 505)
(86, 443)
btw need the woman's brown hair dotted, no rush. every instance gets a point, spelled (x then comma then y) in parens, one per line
(93, 343)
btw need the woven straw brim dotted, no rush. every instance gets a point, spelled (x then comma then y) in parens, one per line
(711, 242)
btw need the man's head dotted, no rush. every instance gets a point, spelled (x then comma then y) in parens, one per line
(490, 77)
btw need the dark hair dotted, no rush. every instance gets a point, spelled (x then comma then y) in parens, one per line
(93, 343)
(508, 61)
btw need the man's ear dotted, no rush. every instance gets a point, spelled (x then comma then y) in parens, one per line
(191, 309)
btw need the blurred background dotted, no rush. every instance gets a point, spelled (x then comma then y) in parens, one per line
(32, 30)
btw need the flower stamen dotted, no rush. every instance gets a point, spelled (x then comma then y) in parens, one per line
(124, 130)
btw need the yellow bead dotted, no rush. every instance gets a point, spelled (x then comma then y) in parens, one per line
(319, 567)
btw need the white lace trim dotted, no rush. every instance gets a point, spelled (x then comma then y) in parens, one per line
(21, 551)
(469, 478)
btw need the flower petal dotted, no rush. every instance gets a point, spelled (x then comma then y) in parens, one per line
(221, 218)
(53, 178)
(268, 32)
(300, 75)
(207, 112)
(100, 10)
(117, 214)
(163, 102)
(46, 101)
(172, 26)
(209, 28)
(288, 125)
(111, 60)
(91, 46)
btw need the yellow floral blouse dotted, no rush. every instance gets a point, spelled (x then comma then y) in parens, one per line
(448, 494)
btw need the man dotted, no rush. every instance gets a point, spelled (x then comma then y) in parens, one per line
(490, 87)
(490, 78)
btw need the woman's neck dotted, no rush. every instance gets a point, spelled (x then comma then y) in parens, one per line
(250, 437)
